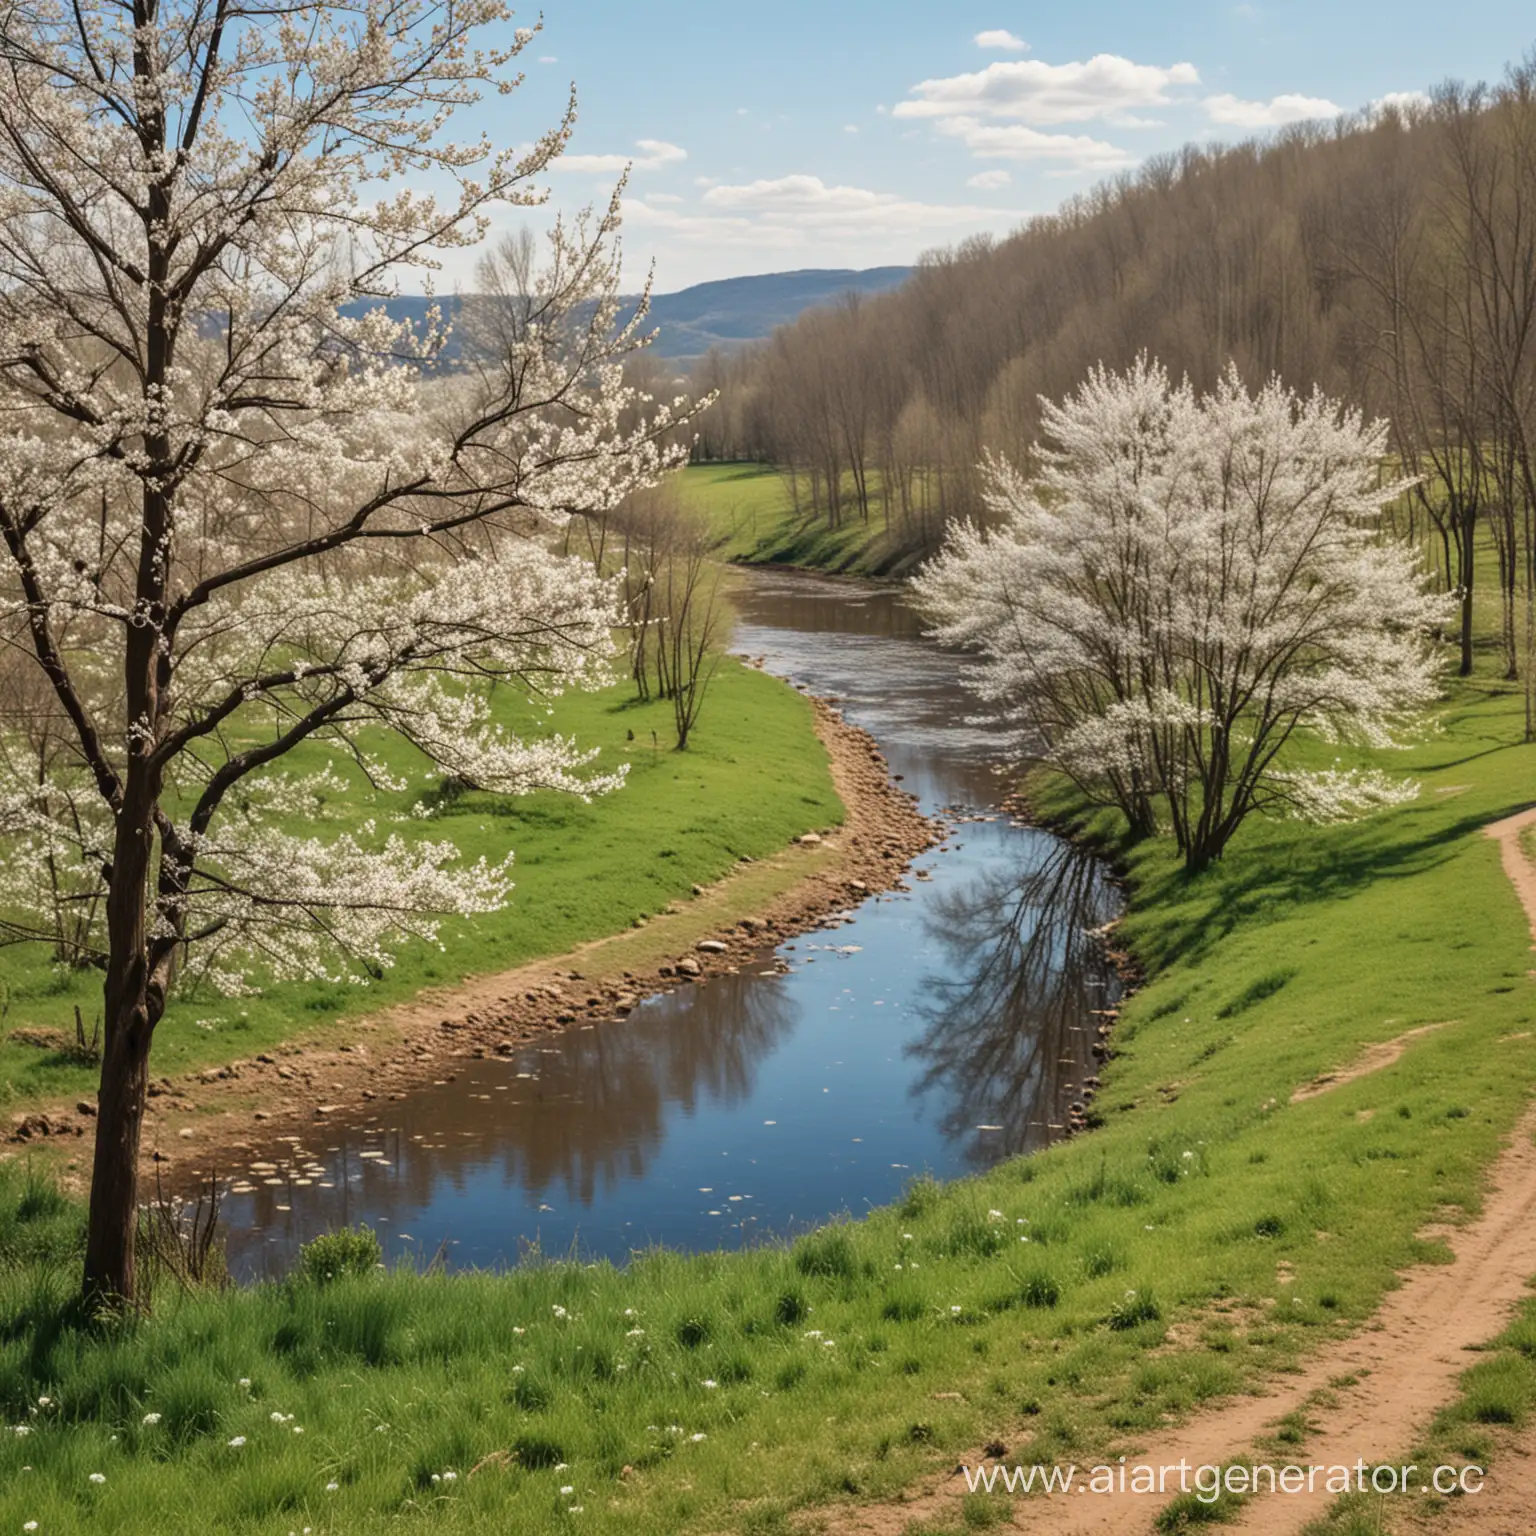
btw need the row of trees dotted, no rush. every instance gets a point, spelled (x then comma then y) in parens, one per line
(1389, 258)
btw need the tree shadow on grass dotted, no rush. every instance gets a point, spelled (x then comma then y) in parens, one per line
(1202, 910)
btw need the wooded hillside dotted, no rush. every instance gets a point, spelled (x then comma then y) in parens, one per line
(1389, 258)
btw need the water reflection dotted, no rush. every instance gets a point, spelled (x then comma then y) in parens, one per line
(565, 1125)
(760, 1103)
(1010, 1021)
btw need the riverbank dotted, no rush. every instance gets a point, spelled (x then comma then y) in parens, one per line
(1220, 1227)
(755, 777)
(207, 1119)
(754, 522)
(200, 1123)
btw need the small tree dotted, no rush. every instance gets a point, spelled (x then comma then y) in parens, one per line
(694, 620)
(674, 599)
(1189, 583)
(238, 520)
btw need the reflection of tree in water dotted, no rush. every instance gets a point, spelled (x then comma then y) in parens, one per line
(1009, 1026)
(610, 1087)
(594, 1115)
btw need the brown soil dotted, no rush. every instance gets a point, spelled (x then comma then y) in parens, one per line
(383, 1056)
(1367, 1396)
(1373, 1059)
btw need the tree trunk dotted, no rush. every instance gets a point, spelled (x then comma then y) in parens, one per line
(1468, 549)
(135, 999)
(114, 1213)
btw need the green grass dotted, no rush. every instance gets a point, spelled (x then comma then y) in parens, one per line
(945, 1327)
(753, 777)
(753, 517)
(845, 1365)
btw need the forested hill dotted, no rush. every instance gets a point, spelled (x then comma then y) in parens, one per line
(728, 312)
(1387, 259)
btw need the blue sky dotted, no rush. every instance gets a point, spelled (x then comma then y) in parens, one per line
(851, 133)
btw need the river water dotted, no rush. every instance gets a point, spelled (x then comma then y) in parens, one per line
(938, 1030)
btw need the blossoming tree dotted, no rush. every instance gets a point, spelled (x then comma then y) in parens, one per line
(239, 513)
(1189, 583)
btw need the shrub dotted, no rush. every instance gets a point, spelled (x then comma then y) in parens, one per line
(352, 1251)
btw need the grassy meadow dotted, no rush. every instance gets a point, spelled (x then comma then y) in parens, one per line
(753, 518)
(754, 776)
(1068, 1302)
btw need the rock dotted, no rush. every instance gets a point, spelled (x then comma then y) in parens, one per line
(85, 1107)
(711, 947)
(322, 1110)
(688, 967)
(808, 839)
(28, 1127)
(186, 1133)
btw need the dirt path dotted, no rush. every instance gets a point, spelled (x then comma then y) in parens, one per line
(1372, 1059)
(1366, 1397)
(194, 1120)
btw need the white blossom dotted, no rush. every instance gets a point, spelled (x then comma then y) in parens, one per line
(245, 510)
(1187, 583)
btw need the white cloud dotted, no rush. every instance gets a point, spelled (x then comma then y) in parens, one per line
(808, 193)
(777, 223)
(1001, 39)
(654, 153)
(548, 58)
(1031, 91)
(850, 127)
(662, 199)
(1233, 112)
(990, 181)
(796, 210)
(1015, 141)
(1401, 101)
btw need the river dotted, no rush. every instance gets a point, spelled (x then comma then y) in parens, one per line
(936, 1030)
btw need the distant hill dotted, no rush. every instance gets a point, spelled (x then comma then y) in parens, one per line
(724, 313)
(738, 309)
